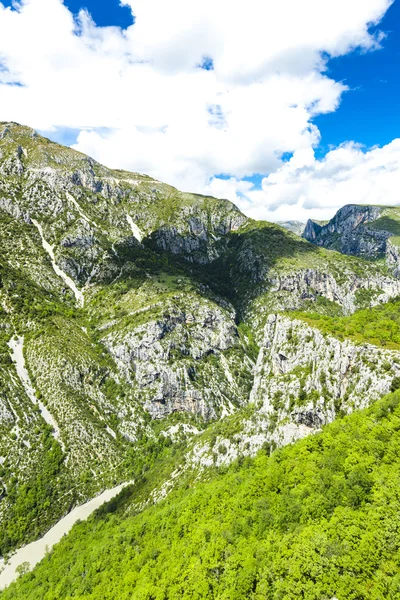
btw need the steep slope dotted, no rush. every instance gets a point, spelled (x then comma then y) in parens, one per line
(293, 226)
(368, 231)
(106, 328)
(85, 208)
(133, 317)
(318, 519)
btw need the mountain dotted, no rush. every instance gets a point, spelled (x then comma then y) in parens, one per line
(164, 338)
(318, 519)
(367, 231)
(293, 226)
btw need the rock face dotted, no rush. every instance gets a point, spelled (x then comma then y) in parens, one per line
(143, 308)
(199, 243)
(168, 359)
(293, 226)
(393, 257)
(309, 377)
(359, 231)
(346, 220)
(303, 379)
(311, 285)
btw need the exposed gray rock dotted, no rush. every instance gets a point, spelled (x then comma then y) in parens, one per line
(309, 283)
(293, 226)
(196, 239)
(346, 220)
(393, 258)
(353, 231)
(162, 358)
(298, 364)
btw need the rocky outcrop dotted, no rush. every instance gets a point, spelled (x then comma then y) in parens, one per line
(346, 220)
(176, 362)
(363, 231)
(303, 379)
(308, 377)
(393, 258)
(296, 227)
(196, 238)
(309, 284)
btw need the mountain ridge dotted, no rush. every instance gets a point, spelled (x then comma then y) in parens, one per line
(368, 231)
(160, 333)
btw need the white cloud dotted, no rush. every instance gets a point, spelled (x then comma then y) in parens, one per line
(142, 103)
(305, 187)
(251, 39)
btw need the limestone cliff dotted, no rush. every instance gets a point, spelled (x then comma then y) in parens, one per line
(367, 231)
(134, 317)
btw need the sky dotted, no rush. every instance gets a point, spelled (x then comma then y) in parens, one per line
(289, 108)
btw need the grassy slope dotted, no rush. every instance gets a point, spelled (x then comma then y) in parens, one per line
(379, 325)
(389, 220)
(314, 520)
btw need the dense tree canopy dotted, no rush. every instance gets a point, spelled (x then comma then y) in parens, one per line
(379, 325)
(316, 520)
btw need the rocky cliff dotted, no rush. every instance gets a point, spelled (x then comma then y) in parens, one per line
(134, 317)
(293, 226)
(367, 231)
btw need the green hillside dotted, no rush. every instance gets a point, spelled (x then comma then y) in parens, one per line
(379, 325)
(314, 520)
(162, 337)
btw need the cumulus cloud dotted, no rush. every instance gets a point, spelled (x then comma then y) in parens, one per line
(141, 100)
(305, 187)
(249, 40)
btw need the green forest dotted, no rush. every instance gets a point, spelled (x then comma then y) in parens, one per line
(379, 325)
(318, 519)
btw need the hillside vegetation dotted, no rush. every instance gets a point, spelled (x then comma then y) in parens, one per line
(162, 337)
(379, 325)
(314, 520)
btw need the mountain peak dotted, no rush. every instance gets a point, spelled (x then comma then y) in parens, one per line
(369, 231)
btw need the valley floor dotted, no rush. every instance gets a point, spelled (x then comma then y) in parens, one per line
(30, 555)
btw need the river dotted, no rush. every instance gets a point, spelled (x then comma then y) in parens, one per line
(34, 552)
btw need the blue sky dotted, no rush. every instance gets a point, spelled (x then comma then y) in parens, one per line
(224, 98)
(104, 12)
(369, 113)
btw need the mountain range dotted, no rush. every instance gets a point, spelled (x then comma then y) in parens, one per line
(243, 377)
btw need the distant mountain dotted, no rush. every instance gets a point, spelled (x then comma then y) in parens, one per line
(294, 226)
(366, 231)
